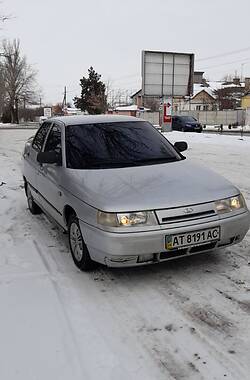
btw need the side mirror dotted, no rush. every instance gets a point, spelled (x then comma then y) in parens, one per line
(181, 146)
(49, 158)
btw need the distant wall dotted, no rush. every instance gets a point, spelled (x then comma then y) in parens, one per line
(248, 116)
(217, 117)
(152, 117)
(206, 117)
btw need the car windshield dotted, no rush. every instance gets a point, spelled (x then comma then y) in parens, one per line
(117, 144)
(189, 119)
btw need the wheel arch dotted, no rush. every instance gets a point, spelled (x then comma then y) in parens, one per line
(67, 212)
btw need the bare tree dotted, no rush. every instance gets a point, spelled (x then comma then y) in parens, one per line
(108, 93)
(2, 90)
(228, 78)
(19, 77)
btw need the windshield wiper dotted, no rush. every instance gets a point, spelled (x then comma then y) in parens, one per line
(104, 164)
(157, 159)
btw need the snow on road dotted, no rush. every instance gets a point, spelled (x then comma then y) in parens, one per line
(186, 319)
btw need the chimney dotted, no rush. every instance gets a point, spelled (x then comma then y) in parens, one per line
(247, 85)
(198, 77)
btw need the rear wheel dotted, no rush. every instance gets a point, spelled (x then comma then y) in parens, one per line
(33, 207)
(78, 248)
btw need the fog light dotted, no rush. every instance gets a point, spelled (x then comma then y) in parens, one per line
(145, 258)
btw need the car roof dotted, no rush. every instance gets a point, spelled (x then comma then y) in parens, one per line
(182, 116)
(92, 119)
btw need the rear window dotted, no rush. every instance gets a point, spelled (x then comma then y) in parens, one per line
(110, 145)
(189, 119)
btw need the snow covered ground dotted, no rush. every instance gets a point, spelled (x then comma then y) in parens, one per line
(186, 319)
(26, 125)
(215, 128)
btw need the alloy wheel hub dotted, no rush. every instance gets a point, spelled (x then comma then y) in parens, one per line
(76, 241)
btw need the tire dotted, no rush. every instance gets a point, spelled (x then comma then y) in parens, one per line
(183, 129)
(33, 207)
(78, 248)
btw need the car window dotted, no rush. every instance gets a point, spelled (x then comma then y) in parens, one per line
(189, 119)
(53, 142)
(40, 136)
(119, 144)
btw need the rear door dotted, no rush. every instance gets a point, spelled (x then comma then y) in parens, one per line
(180, 123)
(174, 122)
(177, 123)
(31, 166)
(49, 176)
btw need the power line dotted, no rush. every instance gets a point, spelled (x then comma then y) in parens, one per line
(224, 54)
(227, 63)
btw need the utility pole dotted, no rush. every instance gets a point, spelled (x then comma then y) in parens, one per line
(64, 102)
(242, 68)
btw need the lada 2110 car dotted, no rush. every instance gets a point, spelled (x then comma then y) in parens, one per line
(125, 194)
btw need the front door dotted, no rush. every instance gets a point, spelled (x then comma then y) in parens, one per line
(49, 177)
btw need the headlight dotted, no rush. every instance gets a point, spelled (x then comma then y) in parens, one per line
(126, 219)
(230, 204)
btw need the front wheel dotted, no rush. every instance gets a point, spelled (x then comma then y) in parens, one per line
(78, 248)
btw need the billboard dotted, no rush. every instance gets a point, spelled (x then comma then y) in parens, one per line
(167, 74)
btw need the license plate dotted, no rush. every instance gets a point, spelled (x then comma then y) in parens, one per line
(192, 238)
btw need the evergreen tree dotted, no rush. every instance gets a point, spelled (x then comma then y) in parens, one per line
(93, 98)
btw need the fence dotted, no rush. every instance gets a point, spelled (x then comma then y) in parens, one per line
(247, 116)
(239, 117)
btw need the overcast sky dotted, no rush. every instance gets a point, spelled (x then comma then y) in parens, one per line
(63, 38)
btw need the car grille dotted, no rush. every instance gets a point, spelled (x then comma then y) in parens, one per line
(183, 214)
(190, 217)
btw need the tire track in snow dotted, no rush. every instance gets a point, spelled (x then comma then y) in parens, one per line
(151, 336)
(45, 225)
(204, 315)
(80, 370)
(213, 355)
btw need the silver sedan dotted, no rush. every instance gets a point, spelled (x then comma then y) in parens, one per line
(126, 195)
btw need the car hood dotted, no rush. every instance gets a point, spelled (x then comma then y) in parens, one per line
(149, 187)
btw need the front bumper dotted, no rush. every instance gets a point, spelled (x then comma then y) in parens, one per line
(194, 129)
(128, 249)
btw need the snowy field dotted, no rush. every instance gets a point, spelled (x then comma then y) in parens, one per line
(186, 319)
